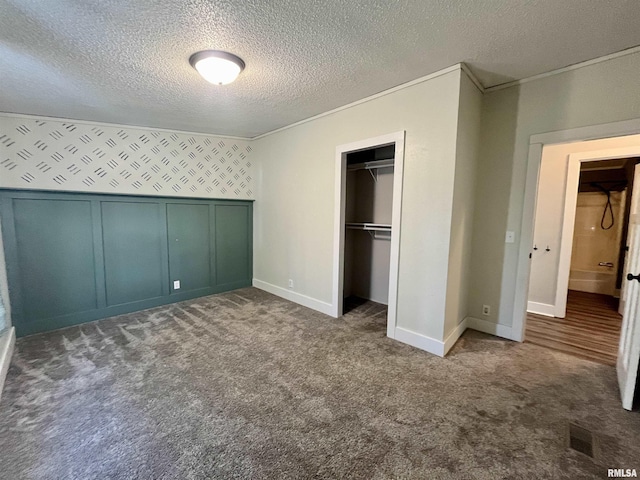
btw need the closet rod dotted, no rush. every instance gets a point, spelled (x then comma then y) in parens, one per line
(383, 163)
(378, 227)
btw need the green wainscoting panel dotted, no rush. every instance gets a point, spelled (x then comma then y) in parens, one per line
(132, 233)
(189, 241)
(55, 261)
(73, 257)
(233, 243)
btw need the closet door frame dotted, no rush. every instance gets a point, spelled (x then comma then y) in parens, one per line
(397, 139)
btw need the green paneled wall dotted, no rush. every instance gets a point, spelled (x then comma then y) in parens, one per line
(55, 258)
(132, 234)
(189, 241)
(73, 258)
(233, 258)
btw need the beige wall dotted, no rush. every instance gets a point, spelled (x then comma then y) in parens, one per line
(467, 143)
(600, 93)
(550, 211)
(294, 211)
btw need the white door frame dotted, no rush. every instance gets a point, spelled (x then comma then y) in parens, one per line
(569, 217)
(536, 142)
(396, 138)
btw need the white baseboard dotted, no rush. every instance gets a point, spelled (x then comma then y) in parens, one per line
(541, 309)
(420, 341)
(440, 348)
(492, 328)
(295, 297)
(453, 337)
(7, 341)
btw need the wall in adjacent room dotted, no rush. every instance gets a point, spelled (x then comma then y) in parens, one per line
(67, 155)
(550, 212)
(294, 217)
(598, 93)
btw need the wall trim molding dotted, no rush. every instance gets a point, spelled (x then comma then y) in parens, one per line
(568, 68)
(118, 125)
(589, 132)
(459, 66)
(295, 297)
(441, 348)
(7, 343)
(541, 309)
(403, 335)
(455, 334)
(411, 83)
(418, 340)
(496, 329)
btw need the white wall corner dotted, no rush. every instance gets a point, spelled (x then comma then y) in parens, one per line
(428, 344)
(295, 297)
(541, 309)
(455, 334)
(491, 328)
(7, 342)
(465, 68)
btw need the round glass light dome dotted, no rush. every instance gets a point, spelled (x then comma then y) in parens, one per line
(219, 68)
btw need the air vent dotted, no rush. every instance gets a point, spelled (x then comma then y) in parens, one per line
(580, 439)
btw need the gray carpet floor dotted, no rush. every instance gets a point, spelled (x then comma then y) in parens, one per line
(247, 385)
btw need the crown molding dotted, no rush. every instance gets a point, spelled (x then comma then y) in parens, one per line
(417, 81)
(575, 66)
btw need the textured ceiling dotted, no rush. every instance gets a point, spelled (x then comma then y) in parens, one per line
(126, 61)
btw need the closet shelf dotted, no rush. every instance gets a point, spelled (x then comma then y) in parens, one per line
(373, 165)
(375, 227)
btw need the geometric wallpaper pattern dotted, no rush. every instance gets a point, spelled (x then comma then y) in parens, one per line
(54, 154)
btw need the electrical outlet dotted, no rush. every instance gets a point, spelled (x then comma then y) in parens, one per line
(486, 310)
(176, 284)
(290, 283)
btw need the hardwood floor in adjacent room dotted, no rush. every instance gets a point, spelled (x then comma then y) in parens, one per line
(591, 328)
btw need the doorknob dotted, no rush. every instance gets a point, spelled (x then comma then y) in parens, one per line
(633, 277)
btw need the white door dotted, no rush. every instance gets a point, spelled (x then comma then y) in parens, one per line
(629, 349)
(627, 241)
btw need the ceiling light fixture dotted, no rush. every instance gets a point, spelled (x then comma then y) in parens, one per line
(217, 67)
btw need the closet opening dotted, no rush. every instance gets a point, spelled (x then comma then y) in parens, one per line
(367, 242)
(369, 178)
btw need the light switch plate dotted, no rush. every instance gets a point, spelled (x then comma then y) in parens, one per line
(176, 284)
(510, 237)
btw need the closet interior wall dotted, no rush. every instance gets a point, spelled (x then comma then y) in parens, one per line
(369, 199)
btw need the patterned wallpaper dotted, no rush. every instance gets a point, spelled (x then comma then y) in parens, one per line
(55, 154)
